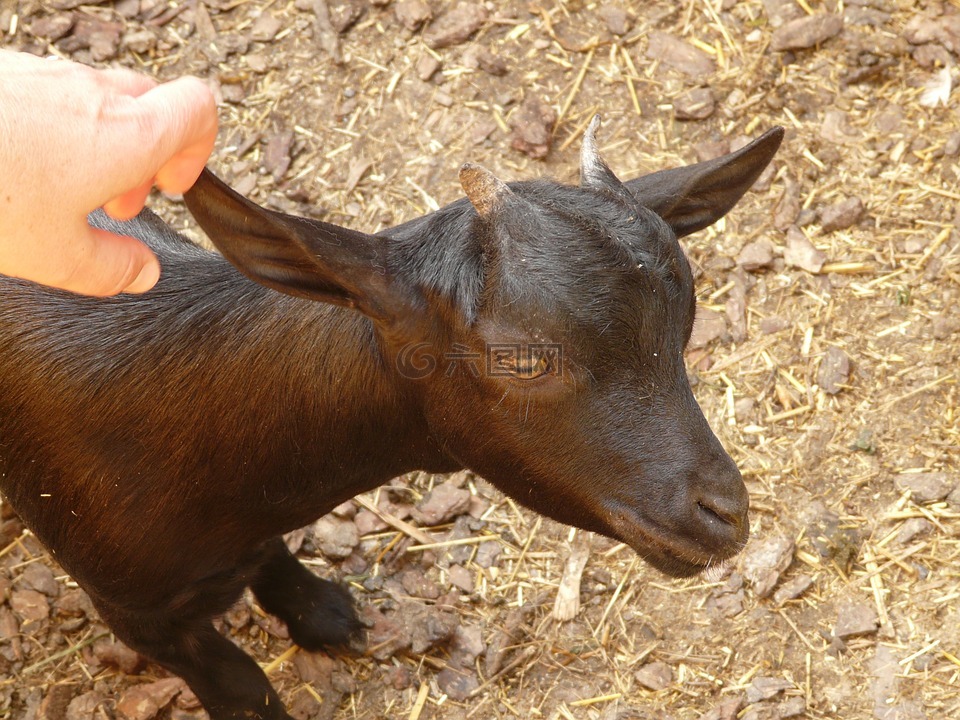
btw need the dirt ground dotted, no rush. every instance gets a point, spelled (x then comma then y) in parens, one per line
(825, 356)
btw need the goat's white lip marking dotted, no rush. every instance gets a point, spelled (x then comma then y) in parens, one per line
(714, 573)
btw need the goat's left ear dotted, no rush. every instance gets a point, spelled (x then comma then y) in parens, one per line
(298, 256)
(692, 197)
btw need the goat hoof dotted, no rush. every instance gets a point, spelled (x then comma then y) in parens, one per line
(327, 619)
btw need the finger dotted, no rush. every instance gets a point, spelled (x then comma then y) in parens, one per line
(126, 206)
(126, 82)
(114, 264)
(189, 133)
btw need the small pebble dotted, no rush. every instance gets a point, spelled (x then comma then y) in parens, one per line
(805, 32)
(841, 215)
(856, 619)
(654, 676)
(928, 487)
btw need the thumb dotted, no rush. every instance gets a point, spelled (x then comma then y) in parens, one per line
(114, 264)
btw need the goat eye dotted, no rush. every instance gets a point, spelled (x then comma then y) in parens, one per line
(528, 368)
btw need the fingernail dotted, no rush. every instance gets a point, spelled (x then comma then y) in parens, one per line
(146, 279)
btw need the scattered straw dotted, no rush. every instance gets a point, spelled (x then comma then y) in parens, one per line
(283, 657)
(422, 695)
(576, 87)
(395, 522)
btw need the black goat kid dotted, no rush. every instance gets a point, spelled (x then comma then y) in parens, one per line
(159, 445)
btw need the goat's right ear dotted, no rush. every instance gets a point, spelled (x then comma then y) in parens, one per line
(691, 198)
(298, 256)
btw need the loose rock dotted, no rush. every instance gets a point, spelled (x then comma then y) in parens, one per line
(951, 148)
(30, 605)
(788, 207)
(953, 499)
(912, 529)
(265, 28)
(140, 41)
(708, 325)
(655, 675)
(945, 30)
(55, 703)
(487, 553)
(856, 619)
(455, 26)
(830, 538)
(800, 252)
(743, 408)
(39, 577)
(427, 65)
(925, 488)
(944, 326)
(53, 27)
(841, 215)
(461, 578)
(100, 36)
(344, 14)
(412, 13)
(805, 32)
(144, 702)
(773, 324)
(834, 370)
(836, 128)
(792, 707)
(85, 707)
(417, 584)
(368, 522)
(765, 688)
(679, 55)
(467, 644)
(792, 589)
(727, 710)
(755, 255)
(335, 537)
(695, 104)
(533, 127)
(765, 560)
(782, 11)
(315, 668)
(73, 603)
(492, 64)
(276, 154)
(116, 654)
(429, 627)
(457, 682)
(617, 19)
(442, 504)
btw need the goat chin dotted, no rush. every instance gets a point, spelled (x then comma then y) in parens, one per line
(715, 573)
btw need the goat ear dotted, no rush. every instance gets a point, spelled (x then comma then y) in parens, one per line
(692, 197)
(297, 256)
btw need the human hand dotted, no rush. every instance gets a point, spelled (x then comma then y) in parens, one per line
(74, 139)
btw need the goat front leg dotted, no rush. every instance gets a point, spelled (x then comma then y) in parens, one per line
(318, 613)
(227, 681)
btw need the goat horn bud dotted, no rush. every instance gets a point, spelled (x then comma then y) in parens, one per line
(594, 172)
(484, 189)
(591, 164)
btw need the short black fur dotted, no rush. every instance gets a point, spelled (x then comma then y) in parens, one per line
(159, 445)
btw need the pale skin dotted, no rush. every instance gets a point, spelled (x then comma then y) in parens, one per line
(74, 139)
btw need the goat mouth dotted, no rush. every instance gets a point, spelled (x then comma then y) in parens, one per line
(671, 554)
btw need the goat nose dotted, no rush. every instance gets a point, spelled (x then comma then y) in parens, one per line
(728, 510)
(729, 507)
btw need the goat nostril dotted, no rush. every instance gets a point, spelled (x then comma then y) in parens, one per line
(723, 515)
